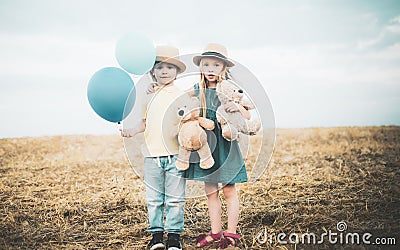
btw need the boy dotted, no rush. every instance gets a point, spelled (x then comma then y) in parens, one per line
(165, 184)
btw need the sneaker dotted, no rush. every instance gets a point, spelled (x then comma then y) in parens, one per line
(157, 242)
(174, 242)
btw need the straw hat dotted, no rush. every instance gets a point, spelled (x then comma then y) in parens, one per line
(214, 50)
(170, 54)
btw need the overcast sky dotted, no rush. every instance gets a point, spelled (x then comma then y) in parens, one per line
(322, 63)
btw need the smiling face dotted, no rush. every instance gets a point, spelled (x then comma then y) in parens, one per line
(164, 73)
(212, 67)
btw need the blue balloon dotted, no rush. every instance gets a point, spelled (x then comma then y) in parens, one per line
(135, 53)
(110, 92)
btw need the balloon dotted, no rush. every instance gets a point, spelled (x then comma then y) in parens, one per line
(110, 92)
(135, 53)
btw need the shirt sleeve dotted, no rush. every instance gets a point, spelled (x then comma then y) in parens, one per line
(144, 105)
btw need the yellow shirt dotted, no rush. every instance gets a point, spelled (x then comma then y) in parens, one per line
(161, 121)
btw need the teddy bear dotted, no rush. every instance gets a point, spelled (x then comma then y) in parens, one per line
(233, 122)
(191, 133)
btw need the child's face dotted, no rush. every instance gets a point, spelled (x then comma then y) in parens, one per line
(164, 73)
(211, 68)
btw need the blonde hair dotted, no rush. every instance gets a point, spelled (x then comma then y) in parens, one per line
(204, 83)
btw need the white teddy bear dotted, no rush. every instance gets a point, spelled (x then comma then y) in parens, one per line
(233, 122)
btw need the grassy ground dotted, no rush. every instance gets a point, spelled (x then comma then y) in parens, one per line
(80, 191)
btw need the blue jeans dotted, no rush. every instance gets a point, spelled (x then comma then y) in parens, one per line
(165, 186)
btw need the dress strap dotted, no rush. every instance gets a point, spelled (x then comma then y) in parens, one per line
(196, 88)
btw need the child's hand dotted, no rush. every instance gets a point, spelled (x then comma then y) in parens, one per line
(127, 132)
(231, 107)
(152, 88)
(138, 128)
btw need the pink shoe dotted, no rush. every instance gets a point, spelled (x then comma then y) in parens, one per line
(202, 239)
(226, 241)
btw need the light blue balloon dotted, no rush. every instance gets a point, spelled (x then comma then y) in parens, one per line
(135, 53)
(110, 91)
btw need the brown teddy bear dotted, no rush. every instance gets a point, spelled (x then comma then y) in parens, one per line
(233, 122)
(191, 135)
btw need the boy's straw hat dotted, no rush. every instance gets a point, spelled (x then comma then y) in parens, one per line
(214, 50)
(170, 54)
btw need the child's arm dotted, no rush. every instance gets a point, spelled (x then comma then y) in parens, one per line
(175, 130)
(234, 107)
(151, 88)
(191, 92)
(247, 104)
(130, 132)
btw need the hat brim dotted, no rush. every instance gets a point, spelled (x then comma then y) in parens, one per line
(171, 60)
(197, 59)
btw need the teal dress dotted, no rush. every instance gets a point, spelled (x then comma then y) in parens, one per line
(229, 166)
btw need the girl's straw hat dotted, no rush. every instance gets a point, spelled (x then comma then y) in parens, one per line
(214, 50)
(170, 54)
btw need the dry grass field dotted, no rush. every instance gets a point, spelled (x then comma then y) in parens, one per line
(79, 192)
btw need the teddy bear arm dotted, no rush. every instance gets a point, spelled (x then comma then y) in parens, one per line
(206, 123)
(229, 132)
(182, 163)
(221, 115)
(247, 104)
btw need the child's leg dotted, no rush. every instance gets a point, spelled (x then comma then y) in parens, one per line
(232, 202)
(154, 181)
(175, 185)
(214, 206)
(214, 211)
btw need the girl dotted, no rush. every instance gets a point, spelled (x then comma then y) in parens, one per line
(229, 166)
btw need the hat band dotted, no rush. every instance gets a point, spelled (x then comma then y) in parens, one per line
(211, 53)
